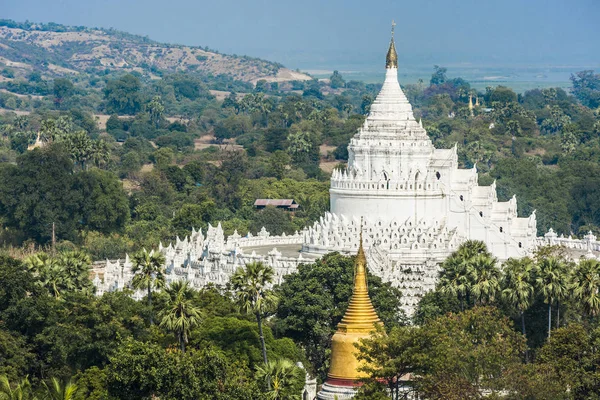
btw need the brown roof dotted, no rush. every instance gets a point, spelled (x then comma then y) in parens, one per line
(275, 202)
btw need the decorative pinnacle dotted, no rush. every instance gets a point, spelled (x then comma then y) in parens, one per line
(361, 260)
(391, 59)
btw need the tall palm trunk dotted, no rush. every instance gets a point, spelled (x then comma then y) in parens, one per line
(263, 345)
(182, 342)
(262, 338)
(150, 303)
(557, 314)
(549, 318)
(524, 334)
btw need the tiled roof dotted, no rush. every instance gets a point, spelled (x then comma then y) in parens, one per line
(276, 202)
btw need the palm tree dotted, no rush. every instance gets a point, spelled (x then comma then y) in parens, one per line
(156, 110)
(100, 153)
(250, 286)
(80, 146)
(281, 376)
(180, 315)
(59, 391)
(48, 271)
(471, 248)
(148, 269)
(552, 281)
(22, 391)
(459, 274)
(487, 278)
(455, 278)
(586, 286)
(75, 266)
(69, 271)
(518, 285)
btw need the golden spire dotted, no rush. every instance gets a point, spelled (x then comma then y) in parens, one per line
(360, 315)
(391, 59)
(358, 322)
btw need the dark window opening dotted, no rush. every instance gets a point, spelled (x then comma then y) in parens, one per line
(520, 244)
(462, 198)
(500, 229)
(438, 175)
(481, 213)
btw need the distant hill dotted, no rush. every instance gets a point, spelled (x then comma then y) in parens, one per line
(59, 50)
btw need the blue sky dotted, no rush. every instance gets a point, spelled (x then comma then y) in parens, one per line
(327, 33)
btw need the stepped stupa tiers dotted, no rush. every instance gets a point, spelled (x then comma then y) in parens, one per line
(359, 321)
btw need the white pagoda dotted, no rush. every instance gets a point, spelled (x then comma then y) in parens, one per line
(418, 206)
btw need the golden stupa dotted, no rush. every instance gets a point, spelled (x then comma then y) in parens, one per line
(359, 321)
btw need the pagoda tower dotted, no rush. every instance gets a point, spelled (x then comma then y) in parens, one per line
(358, 322)
(417, 203)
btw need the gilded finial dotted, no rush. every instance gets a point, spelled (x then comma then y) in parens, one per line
(361, 252)
(391, 59)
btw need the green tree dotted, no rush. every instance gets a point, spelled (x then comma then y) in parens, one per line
(75, 265)
(58, 390)
(388, 358)
(136, 371)
(586, 286)
(156, 110)
(439, 75)
(46, 269)
(148, 269)
(586, 87)
(232, 126)
(163, 157)
(194, 216)
(179, 314)
(62, 89)
(38, 192)
(123, 95)
(275, 220)
(302, 147)
(467, 355)
(487, 279)
(336, 81)
(552, 282)
(20, 391)
(279, 162)
(251, 288)
(141, 371)
(80, 146)
(104, 204)
(556, 121)
(470, 274)
(518, 285)
(502, 95)
(67, 272)
(100, 153)
(284, 378)
(569, 361)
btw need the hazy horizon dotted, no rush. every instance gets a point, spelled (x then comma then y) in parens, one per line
(545, 36)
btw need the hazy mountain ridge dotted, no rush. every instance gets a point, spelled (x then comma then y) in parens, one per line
(59, 50)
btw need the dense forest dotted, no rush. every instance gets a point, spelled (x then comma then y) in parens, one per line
(102, 163)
